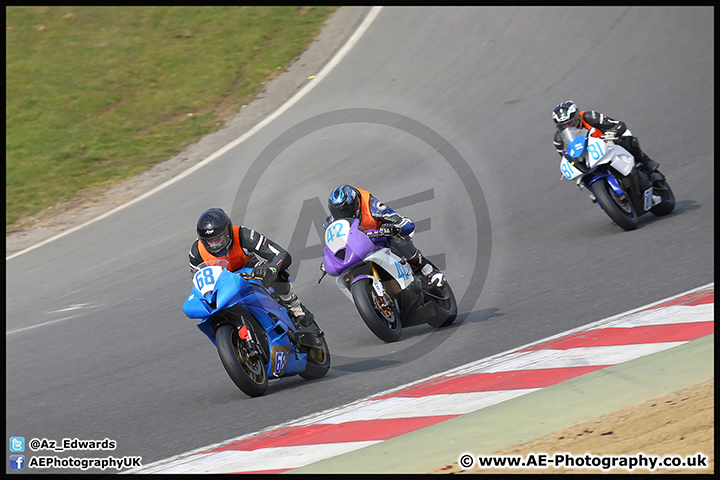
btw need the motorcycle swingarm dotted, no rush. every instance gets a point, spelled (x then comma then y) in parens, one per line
(306, 336)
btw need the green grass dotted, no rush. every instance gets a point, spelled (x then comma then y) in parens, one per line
(95, 95)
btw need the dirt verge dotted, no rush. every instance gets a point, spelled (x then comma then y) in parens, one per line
(677, 424)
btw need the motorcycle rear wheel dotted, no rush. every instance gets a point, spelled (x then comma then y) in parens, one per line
(447, 306)
(383, 322)
(667, 204)
(249, 375)
(618, 208)
(318, 361)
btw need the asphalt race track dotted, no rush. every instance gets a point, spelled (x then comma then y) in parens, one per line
(444, 114)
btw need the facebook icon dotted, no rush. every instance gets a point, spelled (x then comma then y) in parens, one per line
(17, 462)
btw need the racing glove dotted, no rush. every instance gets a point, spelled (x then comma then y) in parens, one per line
(389, 229)
(267, 274)
(611, 135)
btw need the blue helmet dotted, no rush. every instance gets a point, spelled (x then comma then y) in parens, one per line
(343, 202)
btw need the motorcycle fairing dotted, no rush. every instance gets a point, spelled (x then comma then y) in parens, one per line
(231, 290)
(611, 180)
(622, 160)
(576, 147)
(344, 246)
(393, 265)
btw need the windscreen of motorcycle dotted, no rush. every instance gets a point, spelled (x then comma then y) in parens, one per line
(569, 134)
(575, 147)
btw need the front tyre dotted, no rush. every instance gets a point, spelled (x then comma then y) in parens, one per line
(380, 314)
(667, 205)
(617, 207)
(242, 362)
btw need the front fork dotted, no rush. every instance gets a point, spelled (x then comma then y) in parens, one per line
(648, 199)
(247, 342)
(581, 185)
(611, 180)
(382, 299)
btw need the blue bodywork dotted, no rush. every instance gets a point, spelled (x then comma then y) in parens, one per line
(611, 180)
(576, 147)
(233, 291)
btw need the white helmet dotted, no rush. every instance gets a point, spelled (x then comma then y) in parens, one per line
(566, 115)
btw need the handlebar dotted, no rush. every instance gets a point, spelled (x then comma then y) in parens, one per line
(248, 276)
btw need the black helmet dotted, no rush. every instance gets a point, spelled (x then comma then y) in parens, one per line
(566, 115)
(214, 229)
(343, 202)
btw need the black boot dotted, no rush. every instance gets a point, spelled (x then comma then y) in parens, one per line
(632, 145)
(417, 261)
(435, 279)
(648, 164)
(298, 313)
(432, 278)
(306, 319)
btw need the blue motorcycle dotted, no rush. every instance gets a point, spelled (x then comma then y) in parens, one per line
(254, 336)
(614, 182)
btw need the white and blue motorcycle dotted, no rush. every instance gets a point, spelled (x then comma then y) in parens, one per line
(610, 174)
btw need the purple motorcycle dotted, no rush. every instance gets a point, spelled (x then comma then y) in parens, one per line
(382, 285)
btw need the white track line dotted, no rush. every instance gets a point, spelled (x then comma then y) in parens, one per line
(518, 358)
(292, 101)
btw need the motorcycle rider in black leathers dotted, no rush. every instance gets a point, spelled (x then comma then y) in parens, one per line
(243, 247)
(566, 115)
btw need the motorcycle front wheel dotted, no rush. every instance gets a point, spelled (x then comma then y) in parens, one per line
(245, 367)
(617, 207)
(381, 315)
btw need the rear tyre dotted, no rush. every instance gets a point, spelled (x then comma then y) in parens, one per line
(242, 361)
(618, 208)
(667, 204)
(446, 307)
(318, 360)
(381, 315)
